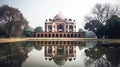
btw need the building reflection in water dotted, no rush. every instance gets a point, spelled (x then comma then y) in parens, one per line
(60, 51)
(60, 54)
(64, 43)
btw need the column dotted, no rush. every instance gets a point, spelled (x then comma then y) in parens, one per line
(68, 28)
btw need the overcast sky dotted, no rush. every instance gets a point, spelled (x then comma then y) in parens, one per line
(37, 11)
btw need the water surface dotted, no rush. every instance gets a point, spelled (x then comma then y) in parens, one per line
(60, 54)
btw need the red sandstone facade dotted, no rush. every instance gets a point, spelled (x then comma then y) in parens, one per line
(59, 34)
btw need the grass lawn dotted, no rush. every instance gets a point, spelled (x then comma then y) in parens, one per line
(3, 40)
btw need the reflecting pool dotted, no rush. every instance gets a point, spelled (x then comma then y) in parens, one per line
(60, 54)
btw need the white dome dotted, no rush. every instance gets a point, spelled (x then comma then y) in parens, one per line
(59, 16)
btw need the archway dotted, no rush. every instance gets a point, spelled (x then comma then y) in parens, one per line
(38, 35)
(49, 35)
(53, 35)
(41, 35)
(70, 28)
(56, 35)
(71, 35)
(60, 35)
(50, 28)
(45, 35)
(64, 35)
(60, 28)
(68, 35)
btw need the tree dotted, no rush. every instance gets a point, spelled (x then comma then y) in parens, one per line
(90, 34)
(12, 22)
(112, 27)
(38, 29)
(100, 14)
(81, 30)
(100, 50)
(27, 31)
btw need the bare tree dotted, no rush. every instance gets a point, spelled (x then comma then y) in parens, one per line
(103, 12)
(98, 17)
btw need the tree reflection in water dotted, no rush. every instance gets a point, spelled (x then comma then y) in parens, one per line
(103, 55)
(14, 54)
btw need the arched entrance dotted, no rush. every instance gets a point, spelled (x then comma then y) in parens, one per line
(49, 28)
(60, 28)
(71, 28)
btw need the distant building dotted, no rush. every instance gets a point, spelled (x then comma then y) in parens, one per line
(60, 26)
